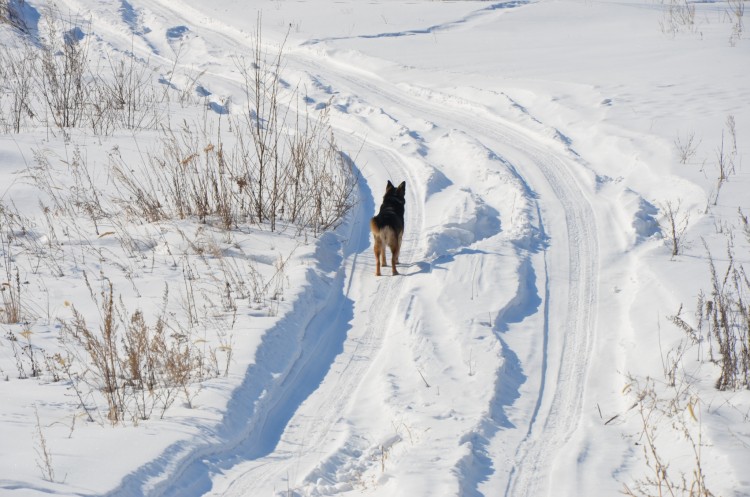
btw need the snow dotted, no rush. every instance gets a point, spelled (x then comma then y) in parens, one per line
(538, 141)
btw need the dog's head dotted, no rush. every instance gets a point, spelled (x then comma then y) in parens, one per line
(392, 191)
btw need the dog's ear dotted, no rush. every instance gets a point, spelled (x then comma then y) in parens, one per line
(389, 187)
(402, 189)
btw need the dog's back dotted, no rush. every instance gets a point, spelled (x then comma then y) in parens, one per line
(388, 226)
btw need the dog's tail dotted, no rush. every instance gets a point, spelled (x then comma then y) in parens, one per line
(374, 226)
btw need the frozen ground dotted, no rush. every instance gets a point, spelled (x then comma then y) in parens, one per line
(540, 143)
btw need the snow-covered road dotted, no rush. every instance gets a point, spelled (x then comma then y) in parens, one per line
(531, 269)
(499, 291)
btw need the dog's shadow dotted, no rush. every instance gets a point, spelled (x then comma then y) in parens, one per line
(423, 267)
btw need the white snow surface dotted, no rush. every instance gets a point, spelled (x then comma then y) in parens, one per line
(537, 142)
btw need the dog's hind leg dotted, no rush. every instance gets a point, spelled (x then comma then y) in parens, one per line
(394, 255)
(398, 247)
(379, 253)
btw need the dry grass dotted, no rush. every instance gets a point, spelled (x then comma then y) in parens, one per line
(11, 310)
(675, 224)
(195, 173)
(669, 416)
(137, 367)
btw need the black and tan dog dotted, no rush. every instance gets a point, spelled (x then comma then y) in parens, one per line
(388, 226)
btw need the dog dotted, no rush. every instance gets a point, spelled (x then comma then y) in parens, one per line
(388, 226)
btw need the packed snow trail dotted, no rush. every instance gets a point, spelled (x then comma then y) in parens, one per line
(382, 348)
(572, 258)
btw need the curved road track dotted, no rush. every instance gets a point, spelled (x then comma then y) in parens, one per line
(314, 425)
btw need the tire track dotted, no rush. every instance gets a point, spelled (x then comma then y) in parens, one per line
(574, 252)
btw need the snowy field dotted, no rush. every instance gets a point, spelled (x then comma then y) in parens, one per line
(572, 316)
